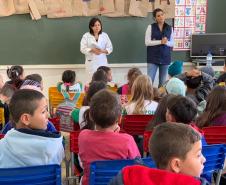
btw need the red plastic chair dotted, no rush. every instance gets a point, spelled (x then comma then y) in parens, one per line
(2, 135)
(135, 124)
(147, 135)
(215, 134)
(74, 149)
(56, 122)
(74, 141)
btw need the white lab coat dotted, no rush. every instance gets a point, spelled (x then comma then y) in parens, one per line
(93, 61)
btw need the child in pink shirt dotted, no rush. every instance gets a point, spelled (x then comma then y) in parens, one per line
(105, 142)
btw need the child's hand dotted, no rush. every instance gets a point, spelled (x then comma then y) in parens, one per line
(117, 129)
(193, 73)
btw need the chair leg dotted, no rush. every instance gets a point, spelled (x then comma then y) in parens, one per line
(218, 177)
(72, 164)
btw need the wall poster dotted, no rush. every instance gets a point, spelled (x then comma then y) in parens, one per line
(190, 17)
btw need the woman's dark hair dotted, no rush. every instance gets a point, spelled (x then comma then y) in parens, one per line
(14, 73)
(160, 113)
(94, 88)
(68, 77)
(155, 11)
(216, 105)
(91, 24)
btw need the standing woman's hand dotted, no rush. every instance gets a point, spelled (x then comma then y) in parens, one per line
(164, 40)
(96, 51)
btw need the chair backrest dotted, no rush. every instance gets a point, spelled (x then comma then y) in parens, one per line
(101, 172)
(215, 134)
(215, 156)
(74, 141)
(135, 124)
(35, 175)
(147, 135)
(2, 135)
(2, 117)
(56, 122)
(55, 98)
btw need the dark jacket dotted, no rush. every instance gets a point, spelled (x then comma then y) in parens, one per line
(159, 54)
(133, 175)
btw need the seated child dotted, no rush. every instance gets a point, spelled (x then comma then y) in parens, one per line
(69, 85)
(125, 89)
(108, 72)
(6, 93)
(99, 75)
(199, 84)
(181, 109)
(81, 115)
(177, 147)
(174, 148)
(104, 143)
(34, 82)
(141, 97)
(29, 144)
(16, 76)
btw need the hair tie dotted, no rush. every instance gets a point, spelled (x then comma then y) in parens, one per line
(67, 84)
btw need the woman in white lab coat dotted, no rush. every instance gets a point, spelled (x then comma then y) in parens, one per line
(95, 45)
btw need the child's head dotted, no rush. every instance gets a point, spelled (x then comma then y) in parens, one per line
(28, 109)
(176, 86)
(107, 71)
(68, 77)
(16, 74)
(93, 88)
(36, 78)
(181, 109)
(216, 106)
(142, 90)
(30, 84)
(6, 93)
(99, 75)
(105, 109)
(177, 147)
(133, 73)
(175, 68)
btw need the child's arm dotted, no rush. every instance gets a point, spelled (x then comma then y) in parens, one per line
(59, 86)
